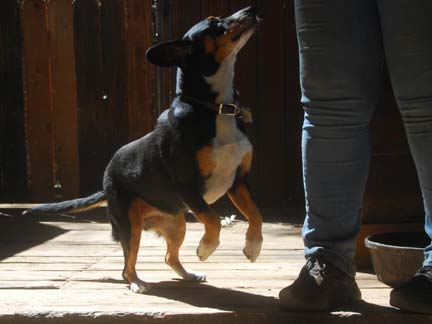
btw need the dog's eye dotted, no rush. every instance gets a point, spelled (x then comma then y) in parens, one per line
(221, 27)
(214, 20)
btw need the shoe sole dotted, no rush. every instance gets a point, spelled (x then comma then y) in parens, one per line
(300, 306)
(406, 304)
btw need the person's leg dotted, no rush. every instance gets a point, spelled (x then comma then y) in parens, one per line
(407, 35)
(341, 65)
(340, 71)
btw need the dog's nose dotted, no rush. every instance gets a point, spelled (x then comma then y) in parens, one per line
(245, 13)
(251, 10)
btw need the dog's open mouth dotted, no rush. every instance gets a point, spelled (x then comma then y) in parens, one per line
(245, 25)
(246, 21)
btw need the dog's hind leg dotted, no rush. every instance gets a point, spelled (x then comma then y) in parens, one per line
(130, 240)
(173, 229)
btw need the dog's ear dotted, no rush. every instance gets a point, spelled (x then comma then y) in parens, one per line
(169, 53)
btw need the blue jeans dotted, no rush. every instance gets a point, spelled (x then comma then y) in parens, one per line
(342, 44)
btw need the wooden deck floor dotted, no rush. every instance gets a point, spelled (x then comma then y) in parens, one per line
(70, 272)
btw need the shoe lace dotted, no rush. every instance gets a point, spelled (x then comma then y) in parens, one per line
(317, 271)
(425, 269)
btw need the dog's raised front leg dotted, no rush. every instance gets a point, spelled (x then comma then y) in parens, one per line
(241, 198)
(210, 240)
(204, 213)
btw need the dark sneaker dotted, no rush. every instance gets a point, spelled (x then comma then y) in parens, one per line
(416, 294)
(320, 286)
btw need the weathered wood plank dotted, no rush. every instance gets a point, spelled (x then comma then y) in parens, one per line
(113, 280)
(48, 278)
(90, 95)
(6, 285)
(38, 104)
(141, 75)
(208, 294)
(13, 175)
(145, 258)
(215, 8)
(64, 102)
(166, 31)
(101, 84)
(114, 74)
(176, 18)
(36, 267)
(272, 172)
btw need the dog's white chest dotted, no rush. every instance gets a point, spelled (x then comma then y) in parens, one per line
(229, 147)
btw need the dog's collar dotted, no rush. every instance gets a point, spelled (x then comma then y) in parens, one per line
(221, 109)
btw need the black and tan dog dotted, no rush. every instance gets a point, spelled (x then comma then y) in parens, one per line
(196, 153)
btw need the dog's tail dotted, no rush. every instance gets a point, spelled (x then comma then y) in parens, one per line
(69, 206)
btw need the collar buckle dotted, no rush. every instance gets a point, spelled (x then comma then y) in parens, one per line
(228, 109)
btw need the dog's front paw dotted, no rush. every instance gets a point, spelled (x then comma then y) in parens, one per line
(206, 248)
(191, 275)
(252, 249)
(139, 287)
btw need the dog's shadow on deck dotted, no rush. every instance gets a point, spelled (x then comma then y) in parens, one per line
(204, 295)
(208, 296)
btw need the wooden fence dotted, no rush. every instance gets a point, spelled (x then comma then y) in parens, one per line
(77, 87)
(86, 90)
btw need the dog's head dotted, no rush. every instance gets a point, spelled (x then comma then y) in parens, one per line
(207, 44)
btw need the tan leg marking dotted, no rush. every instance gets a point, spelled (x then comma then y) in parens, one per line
(245, 164)
(173, 229)
(211, 221)
(205, 164)
(241, 198)
(210, 240)
(137, 210)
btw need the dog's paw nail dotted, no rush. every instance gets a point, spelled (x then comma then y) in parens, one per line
(205, 250)
(252, 250)
(202, 254)
(194, 276)
(202, 258)
(139, 287)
